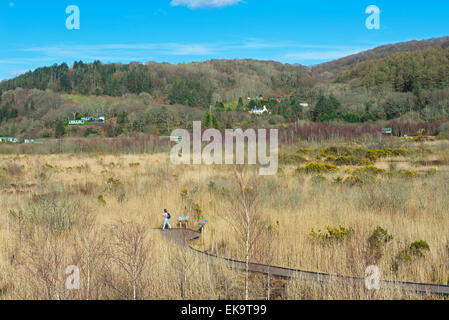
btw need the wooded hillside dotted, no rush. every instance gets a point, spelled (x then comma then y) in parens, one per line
(195, 84)
(336, 66)
(406, 72)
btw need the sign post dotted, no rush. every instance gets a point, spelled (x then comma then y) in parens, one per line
(387, 131)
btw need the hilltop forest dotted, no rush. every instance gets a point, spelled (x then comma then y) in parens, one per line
(410, 82)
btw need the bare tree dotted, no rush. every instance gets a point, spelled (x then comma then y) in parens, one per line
(183, 262)
(245, 218)
(130, 252)
(92, 247)
(45, 265)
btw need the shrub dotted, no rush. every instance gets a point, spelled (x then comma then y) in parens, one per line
(338, 180)
(135, 164)
(185, 192)
(431, 172)
(330, 235)
(289, 158)
(366, 162)
(416, 249)
(377, 241)
(371, 155)
(116, 187)
(112, 182)
(346, 160)
(304, 150)
(419, 138)
(197, 211)
(101, 199)
(401, 152)
(354, 181)
(315, 167)
(369, 170)
(409, 173)
(331, 150)
(374, 155)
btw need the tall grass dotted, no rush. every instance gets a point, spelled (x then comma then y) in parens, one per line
(64, 209)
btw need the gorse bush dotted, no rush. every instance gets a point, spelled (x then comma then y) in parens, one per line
(117, 188)
(113, 183)
(348, 160)
(332, 234)
(409, 173)
(416, 250)
(101, 200)
(354, 180)
(289, 158)
(377, 241)
(369, 170)
(401, 152)
(358, 155)
(315, 167)
(134, 164)
(304, 150)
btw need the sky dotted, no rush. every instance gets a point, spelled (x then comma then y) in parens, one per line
(34, 33)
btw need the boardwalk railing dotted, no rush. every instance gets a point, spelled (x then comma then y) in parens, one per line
(286, 273)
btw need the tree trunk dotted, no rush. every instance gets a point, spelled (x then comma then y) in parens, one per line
(268, 287)
(247, 254)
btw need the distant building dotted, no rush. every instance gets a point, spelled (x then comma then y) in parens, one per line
(8, 140)
(28, 141)
(88, 121)
(76, 122)
(305, 105)
(259, 111)
(101, 120)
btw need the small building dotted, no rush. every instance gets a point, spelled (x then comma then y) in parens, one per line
(76, 122)
(101, 120)
(259, 111)
(304, 105)
(8, 140)
(88, 120)
(29, 141)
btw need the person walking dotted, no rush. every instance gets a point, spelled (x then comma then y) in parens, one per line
(167, 218)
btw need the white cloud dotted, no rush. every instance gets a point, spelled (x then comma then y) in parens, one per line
(197, 4)
(18, 72)
(138, 51)
(282, 51)
(319, 55)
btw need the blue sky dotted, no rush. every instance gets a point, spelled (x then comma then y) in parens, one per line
(34, 34)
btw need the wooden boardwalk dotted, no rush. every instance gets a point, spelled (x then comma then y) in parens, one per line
(183, 237)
